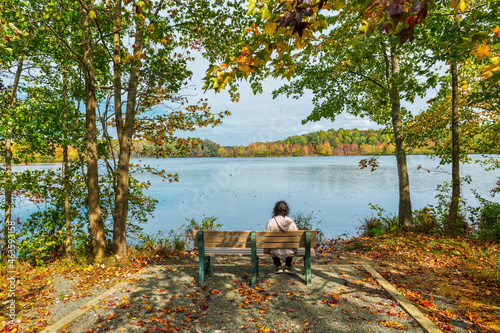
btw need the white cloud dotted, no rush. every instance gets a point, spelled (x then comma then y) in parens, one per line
(260, 117)
(316, 127)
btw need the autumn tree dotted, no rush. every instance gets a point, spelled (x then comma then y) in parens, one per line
(141, 76)
(156, 66)
(455, 119)
(13, 49)
(365, 74)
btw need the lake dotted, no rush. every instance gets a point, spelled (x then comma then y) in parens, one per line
(242, 192)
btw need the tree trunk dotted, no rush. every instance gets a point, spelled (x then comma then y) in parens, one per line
(8, 164)
(121, 195)
(95, 218)
(405, 214)
(125, 141)
(117, 75)
(451, 223)
(67, 213)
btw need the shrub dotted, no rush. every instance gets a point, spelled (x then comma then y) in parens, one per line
(207, 223)
(379, 224)
(487, 220)
(149, 242)
(305, 221)
(372, 227)
(425, 221)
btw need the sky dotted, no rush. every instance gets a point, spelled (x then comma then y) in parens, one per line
(260, 118)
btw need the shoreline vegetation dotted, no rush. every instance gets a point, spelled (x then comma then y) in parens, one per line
(341, 142)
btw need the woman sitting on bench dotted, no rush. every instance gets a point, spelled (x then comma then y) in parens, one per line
(281, 222)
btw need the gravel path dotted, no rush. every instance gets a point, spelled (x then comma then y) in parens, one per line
(341, 298)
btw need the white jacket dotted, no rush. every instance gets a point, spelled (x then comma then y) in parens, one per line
(286, 223)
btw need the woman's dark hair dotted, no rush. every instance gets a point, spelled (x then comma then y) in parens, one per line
(281, 208)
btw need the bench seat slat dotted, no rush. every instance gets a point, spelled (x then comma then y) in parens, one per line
(281, 245)
(244, 252)
(244, 239)
(281, 238)
(227, 244)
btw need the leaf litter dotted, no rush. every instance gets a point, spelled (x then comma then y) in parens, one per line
(166, 298)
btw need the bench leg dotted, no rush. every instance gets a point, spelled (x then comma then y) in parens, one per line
(204, 269)
(255, 270)
(203, 261)
(201, 269)
(208, 267)
(255, 259)
(307, 270)
(307, 257)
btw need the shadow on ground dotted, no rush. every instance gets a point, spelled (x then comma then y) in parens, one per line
(168, 298)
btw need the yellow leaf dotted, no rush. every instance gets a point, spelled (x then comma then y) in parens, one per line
(496, 31)
(490, 68)
(458, 5)
(270, 28)
(246, 69)
(215, 83)
(328, 6)
(324, 23)
(92, 15)
(299, 43)
(282, 47)
(482, 50)
(151, 27)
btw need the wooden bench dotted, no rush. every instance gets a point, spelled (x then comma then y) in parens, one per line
(212, 243)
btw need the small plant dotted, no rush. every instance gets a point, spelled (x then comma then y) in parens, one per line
(379, 224)
(372, 227)
(149, 242)
(305, 221)
(441, 210)
(207, 223)
(176, 240)
(425, 221)
(486, 219)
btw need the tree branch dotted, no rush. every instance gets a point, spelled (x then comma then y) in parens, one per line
(367, 78)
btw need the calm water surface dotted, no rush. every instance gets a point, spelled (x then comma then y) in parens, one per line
(241, 192)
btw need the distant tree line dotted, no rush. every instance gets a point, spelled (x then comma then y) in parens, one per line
(332, 142)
